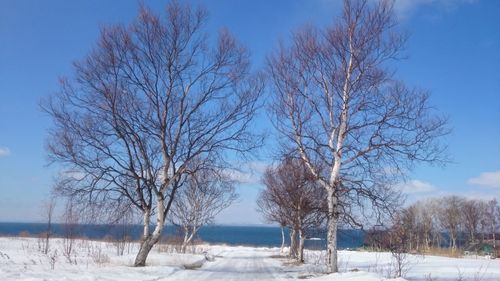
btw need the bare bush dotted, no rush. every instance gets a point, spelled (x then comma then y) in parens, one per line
(52, 255)
(97, 254)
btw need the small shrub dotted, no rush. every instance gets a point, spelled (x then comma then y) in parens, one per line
(98, 255)
(24, 234)
(52, 259)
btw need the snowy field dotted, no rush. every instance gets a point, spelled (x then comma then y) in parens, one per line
(21, 259)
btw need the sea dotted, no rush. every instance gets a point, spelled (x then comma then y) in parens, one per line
(257, 236)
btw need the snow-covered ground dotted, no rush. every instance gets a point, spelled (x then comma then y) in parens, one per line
(21, 259)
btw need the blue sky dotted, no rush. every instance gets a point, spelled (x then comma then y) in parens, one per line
(453, 51)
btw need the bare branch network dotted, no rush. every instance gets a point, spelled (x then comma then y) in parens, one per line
(356, 127)
(149, 99)
(158, 104)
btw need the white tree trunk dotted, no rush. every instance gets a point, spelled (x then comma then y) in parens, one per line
(331, 264)
(282, 239)
(453, 244)
(293, 243)
(302, 239)
(47, 236)
(185, 241)
(494, 240)
(188, 237)
(149, 240)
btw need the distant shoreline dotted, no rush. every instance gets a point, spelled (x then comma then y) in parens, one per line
(260, 236)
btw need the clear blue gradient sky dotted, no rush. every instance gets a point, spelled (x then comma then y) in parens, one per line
(453, 51)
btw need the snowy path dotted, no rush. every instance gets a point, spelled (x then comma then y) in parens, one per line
(235, 264)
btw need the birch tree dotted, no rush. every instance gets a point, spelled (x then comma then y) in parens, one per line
(200, 198)
(491, 219)
(426, 223)
(473, 211)
(356, 127)
(451, 218)
(148, 99)
(274, 213)
(293, 199)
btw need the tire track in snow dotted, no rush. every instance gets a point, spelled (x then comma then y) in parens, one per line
(237, 264)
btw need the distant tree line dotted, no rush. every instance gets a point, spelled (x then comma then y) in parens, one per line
(451, 222)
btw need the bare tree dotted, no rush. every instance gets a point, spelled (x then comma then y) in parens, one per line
(357, 129)
(497, 220)
(430, 232)
(430, 210)
(200, 198)
(148, 99)
(408, 221)
(70, 230)
(296, 200)
(491, 221)
(274, 213)
(399, 240)
(451, 218)
(48, 211)
(419, 223)
(282, 229)
(473, 211)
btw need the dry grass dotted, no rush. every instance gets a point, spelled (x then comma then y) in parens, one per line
(444, 252)
(433, 251)
(277, 256)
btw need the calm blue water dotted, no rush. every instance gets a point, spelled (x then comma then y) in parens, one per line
(231, 235)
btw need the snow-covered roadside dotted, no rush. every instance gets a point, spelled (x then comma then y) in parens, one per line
(20, 259)
(424, 267)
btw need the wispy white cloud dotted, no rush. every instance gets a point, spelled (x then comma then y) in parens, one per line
(478, 195)
(72, 174)
(484, 196)
(404, 8)
(249, 173)
(4, 151)
(489, 179)
(421, 190)
(416, 187)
